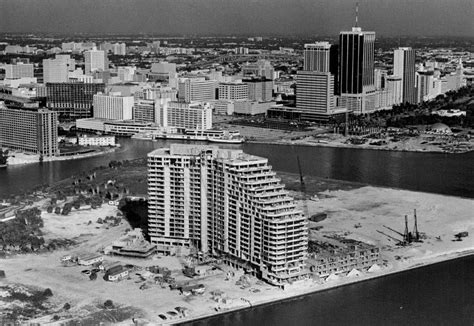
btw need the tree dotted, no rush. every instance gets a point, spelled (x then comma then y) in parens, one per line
(49, 209)
(57, 210)
(48, 292)
(67, 306)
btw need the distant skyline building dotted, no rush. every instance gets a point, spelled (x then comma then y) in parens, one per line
(196, 89)
(95, 60)
(30, 130)
(261, 68)
(228, 203)
(19, 70)
(233, 91)
(57, 70)
(321, 57)
(404, 67)
(260, 89)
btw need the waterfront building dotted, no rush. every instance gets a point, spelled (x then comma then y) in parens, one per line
(226, 203)
(261, 69)
(72, 100)
(356, 72)
(233, 91)
(185, 115)
(260, 89)
(29, 130)
(196, 89)
(113, 106)
(404, 67)
(86, 140)
(95, 60)
(145, 110)
(57, 70)
(315, 95)
(19, 70)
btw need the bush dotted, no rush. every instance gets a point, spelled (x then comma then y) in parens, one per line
(48, 292)
(108, 304)
(57, 210)
(49, 209)
(67, 306)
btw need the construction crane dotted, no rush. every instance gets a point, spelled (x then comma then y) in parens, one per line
(390, 237)
(416, 234)
(401, 234)
(303, 189)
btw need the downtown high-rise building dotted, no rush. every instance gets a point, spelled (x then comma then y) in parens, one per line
(404, 67)
(356, 70)
(95, 60)
(315, 84)
(226, 203)
(57, 70)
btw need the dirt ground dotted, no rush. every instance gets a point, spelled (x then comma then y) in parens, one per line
(438, 216)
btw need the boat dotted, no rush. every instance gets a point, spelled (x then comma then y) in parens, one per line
(227, 140)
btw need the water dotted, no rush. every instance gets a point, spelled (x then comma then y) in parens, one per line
(441, 294)
(429, 172)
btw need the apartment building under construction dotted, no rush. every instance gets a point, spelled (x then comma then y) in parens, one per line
(226, 203)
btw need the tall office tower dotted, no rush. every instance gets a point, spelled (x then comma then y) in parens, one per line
(260, 89)
(395, 89)
(233, 91)
(356, 72)
(404, 67)
(322, 57)
(113, 106)
(315, 85)
(72, 100)
(226, 203)
(196, 89)
(185, 115)
(261, 68)
(424, 82)
(17, 71)
(95, 60)
(33, 131)
(315, 95)
(57, 70)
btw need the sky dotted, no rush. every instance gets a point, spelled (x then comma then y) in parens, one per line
(246, 17)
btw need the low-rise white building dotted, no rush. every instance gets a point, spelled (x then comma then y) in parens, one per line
(96, 140)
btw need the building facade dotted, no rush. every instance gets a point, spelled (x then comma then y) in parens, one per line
(260, 89)
(95, 60)
(196, 89)
(113, 106)
(233, 91)
(356, 72)
(404, 67)
(227, 203)
(185, 115)
(315, 94)
(32, 131)
(20, 70)
(57, 70)
(72, 100)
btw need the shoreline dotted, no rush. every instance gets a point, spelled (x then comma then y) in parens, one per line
(379, 148)
(64, 158)
(439, 259)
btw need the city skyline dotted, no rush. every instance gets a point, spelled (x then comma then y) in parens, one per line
(387, 17)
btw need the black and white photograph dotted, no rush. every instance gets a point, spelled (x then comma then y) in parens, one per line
(237, 162)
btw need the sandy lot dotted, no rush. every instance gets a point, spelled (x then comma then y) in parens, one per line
(438, 216)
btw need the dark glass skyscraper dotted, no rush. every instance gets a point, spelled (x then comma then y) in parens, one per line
(356, 59)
